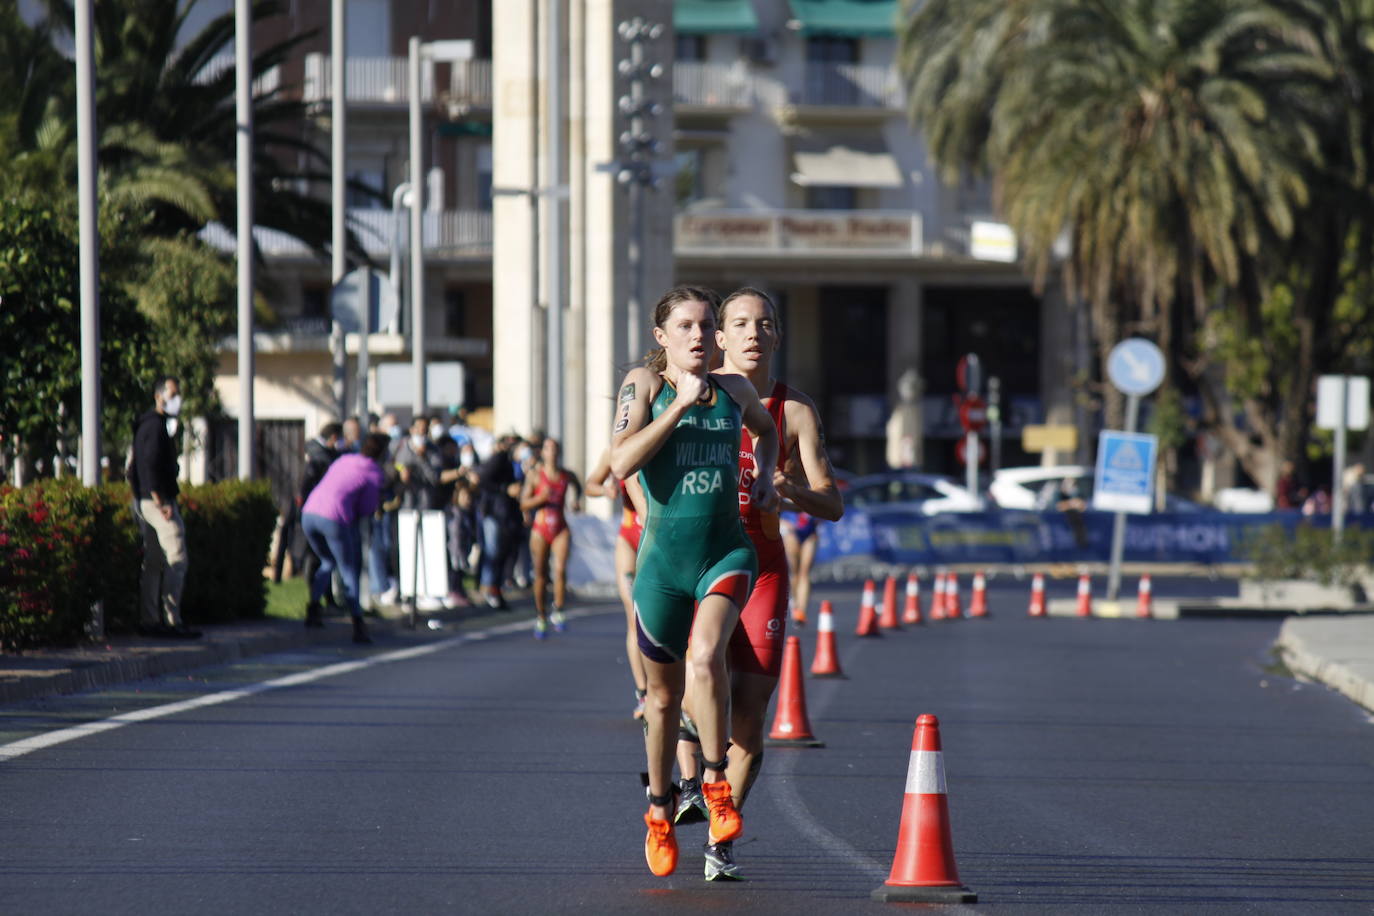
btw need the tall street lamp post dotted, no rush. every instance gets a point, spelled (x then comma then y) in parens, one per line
(429, 52)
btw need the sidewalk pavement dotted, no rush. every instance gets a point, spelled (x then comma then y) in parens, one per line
(1336, 650)
(122, 658)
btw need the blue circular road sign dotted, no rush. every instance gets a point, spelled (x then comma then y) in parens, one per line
(1135, 366)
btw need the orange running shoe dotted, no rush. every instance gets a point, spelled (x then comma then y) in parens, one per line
(726, 823)
(660, 846)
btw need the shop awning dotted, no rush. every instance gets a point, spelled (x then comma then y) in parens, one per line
(848, 18)
(709, 17)
(845, 167)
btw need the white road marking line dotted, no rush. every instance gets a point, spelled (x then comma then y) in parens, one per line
(784, 793)
(61, 736)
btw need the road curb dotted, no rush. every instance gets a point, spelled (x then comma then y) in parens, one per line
(1329, 651)
(148, 661)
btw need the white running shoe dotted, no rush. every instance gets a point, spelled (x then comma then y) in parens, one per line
(720, 862)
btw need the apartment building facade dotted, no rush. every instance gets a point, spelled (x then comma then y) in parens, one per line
(785, 161)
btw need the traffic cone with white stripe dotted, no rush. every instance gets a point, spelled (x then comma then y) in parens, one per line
(1038, 607)
(791, 728)
(888, 620)
(952, 610)
(937, 603)
(912, 612)
(923, 870)
(827, 661)
(1085, 596)
(868, 617)
(1144, 602)
(978, 607)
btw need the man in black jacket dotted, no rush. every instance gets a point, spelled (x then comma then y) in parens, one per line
(320, 453)
(499, 507)
(154, 482)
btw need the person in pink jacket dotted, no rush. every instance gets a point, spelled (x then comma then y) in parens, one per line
(331, 519)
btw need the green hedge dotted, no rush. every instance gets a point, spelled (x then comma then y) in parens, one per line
(63, 547)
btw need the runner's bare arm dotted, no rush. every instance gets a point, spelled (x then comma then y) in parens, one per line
(637, 435)
(598, 477)
(816, 493)
(576, 486)
(760, 424)
(530, 495)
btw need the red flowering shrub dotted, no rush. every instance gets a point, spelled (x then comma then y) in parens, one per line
(64, 547)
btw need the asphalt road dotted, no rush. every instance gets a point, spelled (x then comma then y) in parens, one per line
(1094, 766)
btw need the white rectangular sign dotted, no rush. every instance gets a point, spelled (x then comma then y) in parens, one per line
(1329, 401)
(429, 566)
(444, 384)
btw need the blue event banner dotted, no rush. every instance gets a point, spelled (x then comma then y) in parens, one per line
(1010, 536)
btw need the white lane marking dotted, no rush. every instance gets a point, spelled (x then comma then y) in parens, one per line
(783, 791)
(61, 736)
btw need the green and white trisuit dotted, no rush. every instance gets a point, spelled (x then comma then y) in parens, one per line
(693, 543)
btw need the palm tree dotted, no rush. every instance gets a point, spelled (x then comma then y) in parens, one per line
(1172, 143)
(166, 155)
(165, 111)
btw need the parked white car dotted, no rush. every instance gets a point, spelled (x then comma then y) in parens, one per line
(1243, 499)
(1035, 487)
(1021, 488)
(928, 494)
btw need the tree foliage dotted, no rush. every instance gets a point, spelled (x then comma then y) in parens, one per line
(166, 152)
(1202, 163)
(40, 330)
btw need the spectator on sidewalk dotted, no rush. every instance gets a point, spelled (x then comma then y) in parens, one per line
(320, 453)
(352, 435)
(349, 492)
(1065, 497)
(153, 478)
(500, 512)
(1288, 490)
(519, 564)
(1352, 483)
(427, 475)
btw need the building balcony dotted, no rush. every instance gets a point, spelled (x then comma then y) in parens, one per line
(384, 81)
(832, 85)
(457, 234)
(703, 84)
(798, 233)
(466, 85)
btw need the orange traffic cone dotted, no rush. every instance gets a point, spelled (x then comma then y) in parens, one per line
(1085, 596)
(923, 870)
(952, 610)
(937, 603)
(868, 618)
(978, 607)
(1144, 602)
(912, 612)
(888, 620)
(1037, 602)
(791, 728)
(827, 660)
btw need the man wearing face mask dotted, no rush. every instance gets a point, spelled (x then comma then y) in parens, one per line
(500, 511)
(154, 483)
(427, 475)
